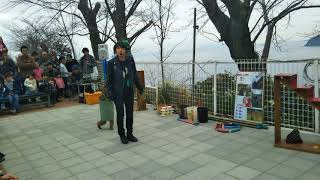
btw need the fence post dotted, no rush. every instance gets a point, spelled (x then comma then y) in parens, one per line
(157, 95)
(215, 89)
(316, 93)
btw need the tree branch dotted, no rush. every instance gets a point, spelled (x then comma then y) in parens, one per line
(280, 16)
(109, 10)
(135, 35)
(220, 20)
(133, 9)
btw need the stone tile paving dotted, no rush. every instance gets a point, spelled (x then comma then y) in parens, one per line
(65, 144)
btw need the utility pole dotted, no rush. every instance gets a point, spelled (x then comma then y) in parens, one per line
(195, 27)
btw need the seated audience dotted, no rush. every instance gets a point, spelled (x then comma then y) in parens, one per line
(38, 72)
(70, 62)
(6, 63)
(11, 93)
(75, 80)
(50, 72)
(60, 85)
(2, 46)
(35, 56)
(31, 85)
(44, 60)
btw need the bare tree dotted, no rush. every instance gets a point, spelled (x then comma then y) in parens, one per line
(67, 29)
(162, 26)
(231, 19)
(91, 19)
(35, 34)
(121, 12)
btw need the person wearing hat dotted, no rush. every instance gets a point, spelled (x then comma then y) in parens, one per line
(121, 76)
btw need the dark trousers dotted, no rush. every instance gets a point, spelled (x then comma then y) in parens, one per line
(127, 101)
(14, 102)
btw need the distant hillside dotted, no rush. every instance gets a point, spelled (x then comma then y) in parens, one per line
(315, 41)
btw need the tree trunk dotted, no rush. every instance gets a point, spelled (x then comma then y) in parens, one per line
(119, 19)
(90, 16)
(241, 47)
(95, 39)
(234, 31)
(267, 43)
(162, 61)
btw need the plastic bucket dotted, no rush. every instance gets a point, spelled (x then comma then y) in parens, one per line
(92, 98)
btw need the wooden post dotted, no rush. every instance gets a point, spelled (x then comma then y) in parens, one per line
(277, 108)
(141, 103)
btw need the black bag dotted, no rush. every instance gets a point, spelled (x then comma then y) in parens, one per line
(294, 137)
(2, 157)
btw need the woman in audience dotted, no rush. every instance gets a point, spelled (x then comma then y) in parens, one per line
(2, 46)
(6, 63)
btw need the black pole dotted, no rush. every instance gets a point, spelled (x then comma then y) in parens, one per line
(195, 27)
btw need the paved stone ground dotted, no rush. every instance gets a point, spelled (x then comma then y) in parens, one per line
(65, 144)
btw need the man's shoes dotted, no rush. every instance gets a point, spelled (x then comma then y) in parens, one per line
(124, 139)
(132, 138)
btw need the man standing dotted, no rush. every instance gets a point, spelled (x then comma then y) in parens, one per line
(87, 62)
(121, 75)
(25, 62)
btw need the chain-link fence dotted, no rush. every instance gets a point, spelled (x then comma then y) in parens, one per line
(215, 87)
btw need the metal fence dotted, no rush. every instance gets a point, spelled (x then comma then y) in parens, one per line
(215, 88)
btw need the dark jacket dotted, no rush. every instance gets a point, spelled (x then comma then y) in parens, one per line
(8, 66)
(16, 88)
(117, 81)
(87, 63)
(70, 64)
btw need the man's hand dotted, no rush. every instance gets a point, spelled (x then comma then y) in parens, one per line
(8, 176)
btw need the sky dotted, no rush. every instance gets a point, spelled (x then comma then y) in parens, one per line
(302, 23)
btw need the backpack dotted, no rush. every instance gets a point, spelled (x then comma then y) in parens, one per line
(294, 137)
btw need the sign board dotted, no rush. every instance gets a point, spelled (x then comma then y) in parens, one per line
(103, 51)
(249, 97)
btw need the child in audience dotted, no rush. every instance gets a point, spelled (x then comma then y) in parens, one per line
(10, 93)
(31, 85)
(38, 72)
(53, 92)
(60, 85)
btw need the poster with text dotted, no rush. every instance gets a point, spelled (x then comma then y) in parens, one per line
(249, 97)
